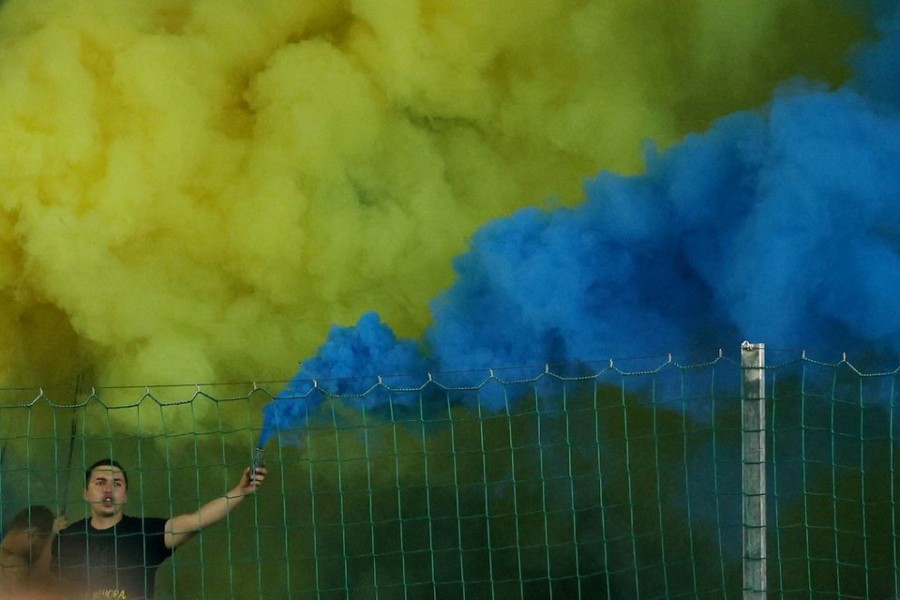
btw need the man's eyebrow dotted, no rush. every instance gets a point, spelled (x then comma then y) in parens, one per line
(101, 477)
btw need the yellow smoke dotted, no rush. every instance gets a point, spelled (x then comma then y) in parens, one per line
(195, 191)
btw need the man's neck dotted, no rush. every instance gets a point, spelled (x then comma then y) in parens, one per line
(105, 521)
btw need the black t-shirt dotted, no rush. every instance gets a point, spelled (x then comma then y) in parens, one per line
(119, 562)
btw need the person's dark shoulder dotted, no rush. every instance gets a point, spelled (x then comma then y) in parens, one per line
(76, 528)
(130, 524)
(80, 524)
(72, 536)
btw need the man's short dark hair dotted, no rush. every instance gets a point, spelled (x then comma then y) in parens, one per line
(103, 462)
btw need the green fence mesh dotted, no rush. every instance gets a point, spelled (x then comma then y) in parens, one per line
(619, 481)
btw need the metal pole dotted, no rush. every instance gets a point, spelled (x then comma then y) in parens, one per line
(753, 457)
(72, 433)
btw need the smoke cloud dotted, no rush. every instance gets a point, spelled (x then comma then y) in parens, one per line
(776, 224)
(197, 191)
(205, 191)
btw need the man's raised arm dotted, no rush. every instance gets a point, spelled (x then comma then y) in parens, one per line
(181, 528)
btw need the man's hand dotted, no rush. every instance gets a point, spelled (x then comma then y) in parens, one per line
(248, 483)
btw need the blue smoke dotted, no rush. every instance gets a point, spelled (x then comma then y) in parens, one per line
(876, 65)
(341, 365)
(779, 225)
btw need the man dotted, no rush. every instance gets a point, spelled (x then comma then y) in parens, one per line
(25, 552)
(113, 555)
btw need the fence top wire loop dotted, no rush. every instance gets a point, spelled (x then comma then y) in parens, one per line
(445, 382)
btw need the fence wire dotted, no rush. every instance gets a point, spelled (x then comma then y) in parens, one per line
(598, 481)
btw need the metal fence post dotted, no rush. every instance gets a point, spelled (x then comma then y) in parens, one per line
(753, 458)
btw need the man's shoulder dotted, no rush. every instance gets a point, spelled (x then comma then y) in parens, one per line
(71, 539)
(75, 528)
(130, 523)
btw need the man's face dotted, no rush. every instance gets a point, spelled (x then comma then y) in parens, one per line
(106, 491)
